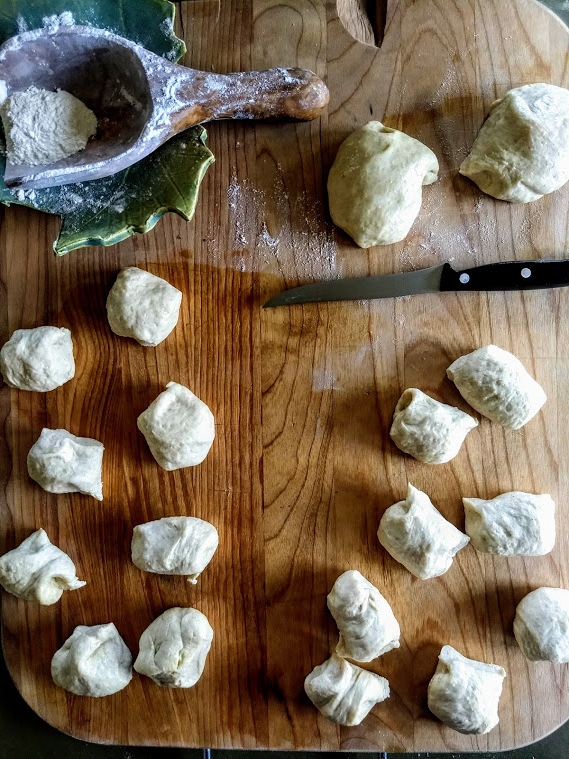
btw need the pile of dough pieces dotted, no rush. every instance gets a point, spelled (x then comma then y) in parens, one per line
(521, 154)
(179, 429)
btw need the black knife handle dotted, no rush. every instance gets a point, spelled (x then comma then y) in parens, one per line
(508, 275)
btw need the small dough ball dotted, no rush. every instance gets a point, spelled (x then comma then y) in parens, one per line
(143, 306)
(63, 463)
(343, 692)
(464, 693)
(428, 430)
(93, 661)
(375, 184)
(366, 622)
(541, 625)
(38, 571)
(178, 427)
(39, 359)
(522, 150)
(174, 647)
(496, 384)
(419, 537)
(174, 546)
(512, 524)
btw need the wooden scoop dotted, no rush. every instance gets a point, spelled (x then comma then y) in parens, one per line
(140, 99)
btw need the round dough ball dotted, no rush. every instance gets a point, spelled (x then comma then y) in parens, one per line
(522, 150)
(143, 306)
(39, 359)
(174, 546)
(174, 647)
(64, 463)
(375, 184)
(178, 427)
(429, 430)
(541, 625)
(497, 385)
(93, 661)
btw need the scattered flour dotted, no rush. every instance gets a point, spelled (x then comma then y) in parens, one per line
(42, 127)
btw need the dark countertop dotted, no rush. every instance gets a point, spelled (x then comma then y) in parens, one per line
(23, 735)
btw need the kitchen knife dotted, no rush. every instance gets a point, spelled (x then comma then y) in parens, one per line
(506, 275)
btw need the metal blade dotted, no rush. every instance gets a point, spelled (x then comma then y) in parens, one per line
(363, 288)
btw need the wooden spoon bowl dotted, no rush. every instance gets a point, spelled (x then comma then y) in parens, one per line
(140, 99)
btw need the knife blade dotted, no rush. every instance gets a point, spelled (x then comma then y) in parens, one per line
(502, 276)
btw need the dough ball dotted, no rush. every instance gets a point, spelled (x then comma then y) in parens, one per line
(93, 661)
(43, 127)
(428, 430)
(419, 537)
(366, 622)
(496, 384)
(375, 184)
(39, 359)
(174, 546)
(522, 150)
(464, 693)
(63, 463)
(38, 571)
(174, 647)
(512, 524)
(143, 306)
(541, 625)
(178, 427)
(344, 693)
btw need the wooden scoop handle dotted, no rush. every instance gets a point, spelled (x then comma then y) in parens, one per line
(289, 93)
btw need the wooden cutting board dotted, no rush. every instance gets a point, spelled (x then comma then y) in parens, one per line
(302, 467)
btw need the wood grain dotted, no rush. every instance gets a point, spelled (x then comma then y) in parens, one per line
(302, 467)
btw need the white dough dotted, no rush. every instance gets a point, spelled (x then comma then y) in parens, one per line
(541, 625)
(496, 384)
(522, 150)
(174, 546)
(63, 463)
(178, 427)
(143, 306)
(464, 693)
(375, 184)
(343, 692)
(43, 127)
(174, 647)
(93, 661)
(418, 536)
(428, 430)
(366, 622)
(38, 571)
(512, 524)
(39, 359)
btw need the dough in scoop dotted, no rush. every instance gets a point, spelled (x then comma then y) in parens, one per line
(39, 359)
(419, 537)
(38, 571)
(174, 546)
(464, 693)
(63, 463)
(178, 427)
(496, 384)
(541, 625)
(93, 661)
(375, 185)
(512, 524)
(522, 150)
(174, 647)
(143, 306)
(428, 430)
(366, 622)
(343, 692)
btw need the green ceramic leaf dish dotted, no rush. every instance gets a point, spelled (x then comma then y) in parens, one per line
(106, 211)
